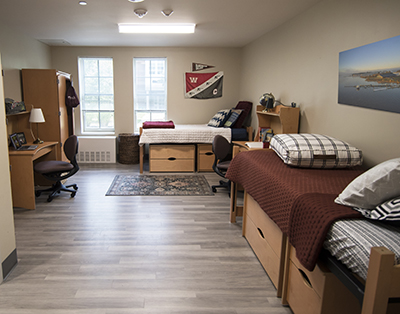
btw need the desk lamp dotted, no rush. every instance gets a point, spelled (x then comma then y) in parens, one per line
(36, 117)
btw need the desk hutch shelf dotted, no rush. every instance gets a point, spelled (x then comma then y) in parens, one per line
(280, 119)
(19, 122)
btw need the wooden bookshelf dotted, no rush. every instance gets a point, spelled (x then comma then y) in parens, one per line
(280, 119)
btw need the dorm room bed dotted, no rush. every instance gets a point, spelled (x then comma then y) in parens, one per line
(174, 149)
(179, 148)
(290, 215)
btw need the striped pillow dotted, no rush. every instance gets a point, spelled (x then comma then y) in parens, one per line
(315, 151)
(389, 211)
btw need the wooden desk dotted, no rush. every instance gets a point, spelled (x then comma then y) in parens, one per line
(23, 175)
(237, 211)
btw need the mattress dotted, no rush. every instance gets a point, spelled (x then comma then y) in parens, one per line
(350, 242)
(184, 133)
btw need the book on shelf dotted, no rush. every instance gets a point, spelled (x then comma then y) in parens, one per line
(265, 134)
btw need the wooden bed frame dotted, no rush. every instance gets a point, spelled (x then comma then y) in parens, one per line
(179, 151)
(326, 284)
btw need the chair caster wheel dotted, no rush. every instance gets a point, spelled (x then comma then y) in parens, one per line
(49, 199)
(75, 187)
(38, 193)
(73, 194)
(214, 190)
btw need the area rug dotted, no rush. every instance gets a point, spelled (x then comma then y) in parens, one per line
(159, 185)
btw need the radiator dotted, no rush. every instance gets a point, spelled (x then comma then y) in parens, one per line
(96, 149)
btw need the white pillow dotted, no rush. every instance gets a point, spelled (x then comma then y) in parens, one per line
(375, 186)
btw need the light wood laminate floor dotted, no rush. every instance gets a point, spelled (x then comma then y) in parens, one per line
(134, 254)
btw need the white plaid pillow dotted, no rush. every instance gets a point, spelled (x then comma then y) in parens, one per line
(315, 151)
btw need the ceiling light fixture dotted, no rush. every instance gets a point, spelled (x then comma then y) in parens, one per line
(157, 28)
(82, 2)
(135, 1)
(140, 12)
(167, 13)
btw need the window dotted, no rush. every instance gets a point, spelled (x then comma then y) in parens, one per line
(96, 86)
(149, 90)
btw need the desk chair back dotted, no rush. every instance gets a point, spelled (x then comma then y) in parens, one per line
(222, 150)
(58, 171)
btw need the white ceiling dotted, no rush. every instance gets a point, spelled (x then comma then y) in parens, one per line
(220, 23)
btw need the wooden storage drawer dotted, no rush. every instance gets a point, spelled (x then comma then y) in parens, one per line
(172, 151)
(172, 158)
(205, 157)
(301, 295)
(266, 240)
(318, 292)
(270, 230)
(178, 165)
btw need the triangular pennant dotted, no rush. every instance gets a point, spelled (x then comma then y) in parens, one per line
(200, 66)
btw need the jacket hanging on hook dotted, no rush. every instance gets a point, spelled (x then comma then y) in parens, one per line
(71, 98)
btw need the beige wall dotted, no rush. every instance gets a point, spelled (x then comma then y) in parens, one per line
(298, 62)
(18, 52)
(7, 234)
(179, 60)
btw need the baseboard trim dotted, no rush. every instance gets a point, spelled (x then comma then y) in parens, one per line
(9, 263)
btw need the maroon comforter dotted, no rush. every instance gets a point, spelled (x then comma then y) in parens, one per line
(300, 201)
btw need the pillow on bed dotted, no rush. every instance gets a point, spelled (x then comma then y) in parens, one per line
(375, 186)
(315, 151)
(246, 107)
(387, 211)
(219, 118)
(233, 116)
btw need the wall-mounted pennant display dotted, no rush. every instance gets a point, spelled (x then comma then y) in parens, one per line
(369, 76)
(200, 66)
(204, 85)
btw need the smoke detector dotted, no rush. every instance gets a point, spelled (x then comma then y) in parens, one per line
(167, 12)
(140, 12)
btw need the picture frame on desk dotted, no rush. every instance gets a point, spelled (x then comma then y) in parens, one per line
(15, 141)
(21, 137)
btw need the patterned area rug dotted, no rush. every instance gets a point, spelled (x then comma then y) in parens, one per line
(159, 185)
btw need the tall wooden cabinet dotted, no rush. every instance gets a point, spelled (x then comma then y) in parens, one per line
(45, 89)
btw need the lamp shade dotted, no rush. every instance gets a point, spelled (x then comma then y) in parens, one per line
(36, 116)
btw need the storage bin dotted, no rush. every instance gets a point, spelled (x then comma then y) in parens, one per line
(128, 148)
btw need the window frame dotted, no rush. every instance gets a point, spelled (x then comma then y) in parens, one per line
(99, 111)
(152, 112)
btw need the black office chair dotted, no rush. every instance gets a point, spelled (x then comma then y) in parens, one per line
(55, 170)
(222, 150)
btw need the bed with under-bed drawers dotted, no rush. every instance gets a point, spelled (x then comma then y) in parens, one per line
(322, 256)
(187, 147)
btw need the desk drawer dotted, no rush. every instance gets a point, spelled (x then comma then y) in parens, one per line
(205, 157)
